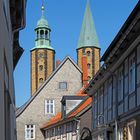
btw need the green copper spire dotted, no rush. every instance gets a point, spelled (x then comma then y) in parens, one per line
(88, 35)
(42, 22)
(42, 33)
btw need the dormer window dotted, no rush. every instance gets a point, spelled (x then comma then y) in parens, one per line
(63, 85)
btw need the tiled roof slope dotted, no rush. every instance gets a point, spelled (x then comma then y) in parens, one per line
(58, 119)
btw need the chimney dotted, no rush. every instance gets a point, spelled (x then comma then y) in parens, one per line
(85, 70)
(57, 63)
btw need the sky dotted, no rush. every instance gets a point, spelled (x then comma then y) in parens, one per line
(65, 20)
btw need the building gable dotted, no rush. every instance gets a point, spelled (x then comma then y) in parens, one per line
(67, 62)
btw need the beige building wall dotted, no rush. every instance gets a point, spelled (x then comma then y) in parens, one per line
(34, 113)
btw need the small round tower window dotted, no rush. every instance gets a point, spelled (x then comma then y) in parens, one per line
(88, 53)
(88, 65)
(41, 80)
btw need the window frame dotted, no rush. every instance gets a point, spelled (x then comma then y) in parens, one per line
(132, 68)
(120, 88)
(61, 87)
(49, 106)
(29, 129)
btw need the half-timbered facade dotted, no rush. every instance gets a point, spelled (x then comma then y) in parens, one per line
(116, 87)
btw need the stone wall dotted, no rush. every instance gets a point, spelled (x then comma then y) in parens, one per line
(35, 112)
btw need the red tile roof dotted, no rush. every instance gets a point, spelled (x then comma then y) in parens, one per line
(53, 120)
(77, 110)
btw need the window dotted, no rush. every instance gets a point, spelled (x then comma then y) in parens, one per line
(37, 33)
(101, 105)
(46, 133)
(132, 74)
(41, 67)
(109, 99)
(88, 65)
(69, 127)
(49, 106)
(30, 131)
(5, 6)
(41, 34)
(52, 134)
(105, 102)
(63, 85)
(88, 53)
(120, 84)
(46, 34)
(126, 77)
(41, 80)
(138, 75)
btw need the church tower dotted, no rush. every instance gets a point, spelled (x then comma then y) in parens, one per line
(42, 55)
(88, 44)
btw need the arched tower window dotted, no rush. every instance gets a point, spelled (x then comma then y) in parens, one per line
(40, 80)
(42, 34)
(88, 65)
(46, 34)
(37, 33)
(41, 67)
(88, 53)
